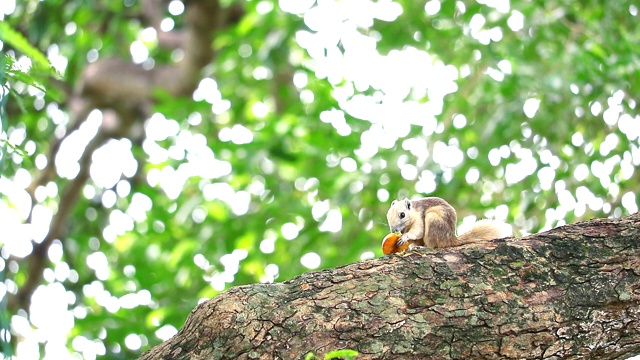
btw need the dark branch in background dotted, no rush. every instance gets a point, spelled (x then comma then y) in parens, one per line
(38, 258)
(68, 199)
(127, 89)
(153, 12)
(80, 110)
(119, 81)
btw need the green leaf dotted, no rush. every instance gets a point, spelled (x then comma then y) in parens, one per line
(15, 39)
(344, 353)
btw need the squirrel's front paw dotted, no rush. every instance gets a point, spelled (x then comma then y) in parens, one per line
(403, 240)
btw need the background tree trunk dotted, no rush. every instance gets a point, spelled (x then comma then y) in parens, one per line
(570, 292)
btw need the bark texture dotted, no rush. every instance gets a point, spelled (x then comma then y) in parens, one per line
(572, 292)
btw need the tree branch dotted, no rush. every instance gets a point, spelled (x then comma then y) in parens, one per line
(38, 258)
(113, 81)
(153, 12)
(570, 292)
(80, 111)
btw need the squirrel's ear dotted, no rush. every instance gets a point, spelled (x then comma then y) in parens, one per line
(394, 202)
(407, 203)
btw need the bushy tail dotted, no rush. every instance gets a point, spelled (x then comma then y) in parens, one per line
(484, 230)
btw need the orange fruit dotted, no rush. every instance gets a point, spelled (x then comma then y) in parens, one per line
(390, 246)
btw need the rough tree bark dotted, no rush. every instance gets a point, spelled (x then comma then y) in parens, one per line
(572, 292)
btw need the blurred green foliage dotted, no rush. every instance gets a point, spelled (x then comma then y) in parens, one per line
(578, 59)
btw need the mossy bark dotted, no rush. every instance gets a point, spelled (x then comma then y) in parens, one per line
(572, 292)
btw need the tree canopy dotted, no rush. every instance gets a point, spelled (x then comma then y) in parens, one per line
(176, 149)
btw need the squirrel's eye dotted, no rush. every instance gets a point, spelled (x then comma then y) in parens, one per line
(401, 215)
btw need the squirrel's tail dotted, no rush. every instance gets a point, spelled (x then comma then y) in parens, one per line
(484, 230)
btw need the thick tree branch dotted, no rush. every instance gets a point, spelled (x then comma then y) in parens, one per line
(572, 292)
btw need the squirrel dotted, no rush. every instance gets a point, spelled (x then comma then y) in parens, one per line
(431, 222)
